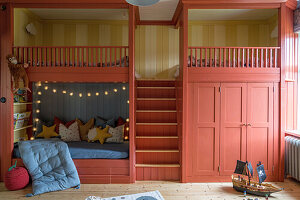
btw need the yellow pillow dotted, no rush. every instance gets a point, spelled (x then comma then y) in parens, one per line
(102, 135)
(48, 132)
(84, 128)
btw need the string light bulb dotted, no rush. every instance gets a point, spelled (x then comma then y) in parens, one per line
(126, 137)
(38, 84)
(106, 93)
(37, 111)
(71, 93)
(32, 138)
(36, 120)
(80, 94)
(39, 93)
(54, 90)
(38, 101)
(97, 93)
(127, 120)
(115, 90)
(123, 88)
(127, 128)
(34, 129)
(89, 94)
(64, 92)
(128, 101)
(46, 81)
(46, 87)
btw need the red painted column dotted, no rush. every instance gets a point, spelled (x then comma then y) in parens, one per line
(131, 95)
(6, 109)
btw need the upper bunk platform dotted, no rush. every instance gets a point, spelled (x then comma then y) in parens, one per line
(249, 64)
(75, 63)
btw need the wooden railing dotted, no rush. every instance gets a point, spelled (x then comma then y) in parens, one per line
(73, 56)
(243, 57)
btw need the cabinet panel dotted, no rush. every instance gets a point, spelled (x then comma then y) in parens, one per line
(260, 125)
(232, 126)
(203, 136)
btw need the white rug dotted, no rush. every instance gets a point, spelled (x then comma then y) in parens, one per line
(155, 195)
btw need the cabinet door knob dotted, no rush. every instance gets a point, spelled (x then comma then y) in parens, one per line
(3, 99)
(244, 125)
(249, 125)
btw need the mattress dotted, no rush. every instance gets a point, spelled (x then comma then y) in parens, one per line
(85, 150)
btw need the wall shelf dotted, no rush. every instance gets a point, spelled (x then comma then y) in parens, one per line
(25, 127)
(25, 103)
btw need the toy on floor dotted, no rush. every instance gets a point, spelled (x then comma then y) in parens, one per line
(18, 72)
(249, 186)
(16, 178)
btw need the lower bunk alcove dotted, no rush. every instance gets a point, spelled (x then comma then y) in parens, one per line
(101, 105)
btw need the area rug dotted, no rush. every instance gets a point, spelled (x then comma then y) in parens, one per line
(155, 195)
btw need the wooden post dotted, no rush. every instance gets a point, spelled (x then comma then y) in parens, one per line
(6, 109)
(132, 170)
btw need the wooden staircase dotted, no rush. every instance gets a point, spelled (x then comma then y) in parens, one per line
(157, 152)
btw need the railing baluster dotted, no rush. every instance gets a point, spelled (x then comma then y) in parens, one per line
(201, 57)
(224, 57)
(261, 58)
(247, 58)
(243, 57)
(220, 57)
(22, 54)
(252, 55)
(191, 58)
(105, 57)
(125, 57)
(97, 60)
(275, 59)
(205, 64)
(210, 57)
(229, 63)
(77, 57)
(270, 58)
(120, 64)
(101, 54)
(87, 59)
(196, 62)
(266, 58)
(92, 57)
(215, 54)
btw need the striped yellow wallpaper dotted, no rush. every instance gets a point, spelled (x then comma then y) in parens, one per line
(156, 51)
(232, 33)
(85, 33)
(22, 17)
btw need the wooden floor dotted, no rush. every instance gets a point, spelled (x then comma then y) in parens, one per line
(169, 190)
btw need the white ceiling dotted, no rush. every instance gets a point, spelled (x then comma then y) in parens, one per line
(81, 14)
(163, 10)
(231, 14)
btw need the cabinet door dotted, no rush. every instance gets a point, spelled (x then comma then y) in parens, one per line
(232, 126)
(204, 131)
(260, 125)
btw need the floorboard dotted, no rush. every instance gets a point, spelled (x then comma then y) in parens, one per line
(169, 190)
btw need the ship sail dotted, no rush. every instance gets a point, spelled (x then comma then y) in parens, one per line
(240, 168)
(250, 168)
(261, 173)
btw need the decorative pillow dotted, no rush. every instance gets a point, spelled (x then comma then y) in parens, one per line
(70, 134)
(84, 128)
(92, 134)
(102, 135)
(103, 122)
(120, 121)
(57, 121)
(117, 134)
(47, 132)
(40, 126)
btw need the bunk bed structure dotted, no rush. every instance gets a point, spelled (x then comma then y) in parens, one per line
(228, 99)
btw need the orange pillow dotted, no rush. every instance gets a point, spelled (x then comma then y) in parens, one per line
(84, 128)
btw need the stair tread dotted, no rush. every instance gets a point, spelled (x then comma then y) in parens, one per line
(156, 99)
(156, 151)
(153, 87)
(154, 123)
(157, 137)
(156, 110)
(157, 165)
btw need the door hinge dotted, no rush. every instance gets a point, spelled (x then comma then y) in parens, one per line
(274, 89)
(219, 169)
(273, 168)
(220, 89)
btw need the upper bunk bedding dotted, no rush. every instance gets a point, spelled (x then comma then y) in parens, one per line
(86, 150)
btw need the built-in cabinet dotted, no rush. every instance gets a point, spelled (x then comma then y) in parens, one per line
(229, 122)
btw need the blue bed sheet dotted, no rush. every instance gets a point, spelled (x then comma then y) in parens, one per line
(85, 150)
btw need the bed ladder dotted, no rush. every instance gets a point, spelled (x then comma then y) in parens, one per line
(157, 152)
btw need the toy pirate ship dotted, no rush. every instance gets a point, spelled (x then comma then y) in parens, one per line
(250, 186)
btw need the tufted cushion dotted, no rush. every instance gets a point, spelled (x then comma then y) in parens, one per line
(57, 122)
(49, 164)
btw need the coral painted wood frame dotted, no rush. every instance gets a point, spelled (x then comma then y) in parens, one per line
(6, 44)
(277, 76)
